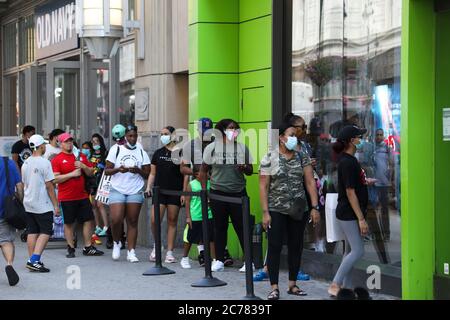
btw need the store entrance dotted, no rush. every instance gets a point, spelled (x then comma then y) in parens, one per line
(52, 97)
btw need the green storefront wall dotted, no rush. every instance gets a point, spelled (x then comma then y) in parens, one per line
(230, 70)
(230, 64)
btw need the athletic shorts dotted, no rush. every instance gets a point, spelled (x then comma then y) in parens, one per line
(169, 200)
(195, 235)
(7, 233)
(78, 210)
(40, 223)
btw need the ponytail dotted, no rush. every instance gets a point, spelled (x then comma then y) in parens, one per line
(339, 146)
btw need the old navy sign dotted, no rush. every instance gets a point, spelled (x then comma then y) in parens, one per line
(55, 28)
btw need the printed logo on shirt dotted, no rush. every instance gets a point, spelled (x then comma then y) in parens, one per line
(25, 154)
(129, 161)
(65, 161)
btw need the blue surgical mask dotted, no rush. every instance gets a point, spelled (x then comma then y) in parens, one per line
(97, 147)
(291, 143)
(131, 146)
(165, 140)
(360, 145)
(86, 152)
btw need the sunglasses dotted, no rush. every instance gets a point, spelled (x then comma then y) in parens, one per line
(304, 127)
(132, 128)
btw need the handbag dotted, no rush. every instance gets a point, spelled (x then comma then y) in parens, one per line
(15, 214)
(298, 208)
(334, 231)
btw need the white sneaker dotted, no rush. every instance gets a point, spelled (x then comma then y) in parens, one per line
(152, 257)
(131, 256)
(185, 264)
(116, 250)
(243, 268)
(217, 266)
(170, 258)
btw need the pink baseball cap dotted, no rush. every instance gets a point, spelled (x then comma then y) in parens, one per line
(63, 137)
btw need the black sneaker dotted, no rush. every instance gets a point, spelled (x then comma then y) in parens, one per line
(37, 267)
(92, 251)
(201, 259)
(70, 252)
(228, 260)
(13, 277)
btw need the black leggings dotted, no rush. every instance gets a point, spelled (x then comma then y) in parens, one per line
(281, 225)
(221, 213)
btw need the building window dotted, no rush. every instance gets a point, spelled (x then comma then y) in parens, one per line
(127, 76)
(26, 40)
(10, 51)
(346, 70)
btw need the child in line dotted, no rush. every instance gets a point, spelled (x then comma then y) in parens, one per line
(194, 220)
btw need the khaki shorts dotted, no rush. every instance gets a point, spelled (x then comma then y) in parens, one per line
(7, 233)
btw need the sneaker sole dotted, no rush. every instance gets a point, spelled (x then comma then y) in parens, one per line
(13, 277)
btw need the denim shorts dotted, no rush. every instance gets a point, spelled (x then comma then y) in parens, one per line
(117, 197)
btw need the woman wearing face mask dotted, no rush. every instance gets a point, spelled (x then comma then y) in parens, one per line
(166, 175)
(129, 166)
(352, 204)
(228, 161)
(98, 158)
(285, 208)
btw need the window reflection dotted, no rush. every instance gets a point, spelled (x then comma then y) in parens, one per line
(346, 70)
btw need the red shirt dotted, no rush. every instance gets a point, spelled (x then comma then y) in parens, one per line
(73, 189)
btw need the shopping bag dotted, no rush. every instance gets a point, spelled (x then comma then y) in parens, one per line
(334, 231)
(103, 189)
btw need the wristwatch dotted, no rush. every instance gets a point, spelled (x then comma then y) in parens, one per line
(315, 207)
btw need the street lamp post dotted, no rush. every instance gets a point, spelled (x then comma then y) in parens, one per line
(102, 23)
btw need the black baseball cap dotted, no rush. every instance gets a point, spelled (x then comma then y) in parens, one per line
(350, 132)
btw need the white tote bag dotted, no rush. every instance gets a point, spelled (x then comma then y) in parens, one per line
(103, 189)
(334, 231)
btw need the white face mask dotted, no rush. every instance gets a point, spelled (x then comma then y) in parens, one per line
(131, 146)
(231, 134)
(165, 140)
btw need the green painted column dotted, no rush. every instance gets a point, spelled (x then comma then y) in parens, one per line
(418, 137)
(230, 50)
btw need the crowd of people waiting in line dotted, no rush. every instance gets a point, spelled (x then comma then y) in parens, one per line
(56, 178)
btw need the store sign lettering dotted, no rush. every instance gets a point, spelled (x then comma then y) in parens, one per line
(55, 28)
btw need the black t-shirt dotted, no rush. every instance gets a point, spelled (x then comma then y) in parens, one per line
(168, 175)
(23, 150)
(351, 175)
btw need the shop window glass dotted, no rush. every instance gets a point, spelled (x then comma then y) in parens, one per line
(346, 70)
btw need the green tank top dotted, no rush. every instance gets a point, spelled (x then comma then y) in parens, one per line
(196, 202)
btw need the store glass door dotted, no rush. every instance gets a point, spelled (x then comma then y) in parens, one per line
(63, 96)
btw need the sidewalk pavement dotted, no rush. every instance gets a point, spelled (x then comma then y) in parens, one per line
(101, 278)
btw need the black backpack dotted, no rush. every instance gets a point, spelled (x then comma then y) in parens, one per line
(15, 214)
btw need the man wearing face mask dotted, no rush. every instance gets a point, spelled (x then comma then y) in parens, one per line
(52, 149)
(69, 170)
(21, 150)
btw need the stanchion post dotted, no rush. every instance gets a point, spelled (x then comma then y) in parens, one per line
(208, 280)
(158, 269)
(248, 250)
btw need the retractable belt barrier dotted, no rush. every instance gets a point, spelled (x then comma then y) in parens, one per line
(208, 280)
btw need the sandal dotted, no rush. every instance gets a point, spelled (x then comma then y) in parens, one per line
(298, 292)
(274, 295)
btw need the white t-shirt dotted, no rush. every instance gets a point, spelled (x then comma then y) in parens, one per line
(36, 171)
(51, 151)
(128, 183)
